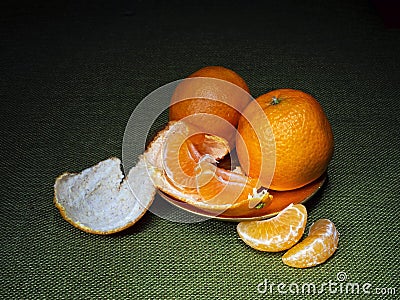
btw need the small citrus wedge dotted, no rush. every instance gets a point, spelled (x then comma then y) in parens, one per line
(316, 248)
(276, 234)
(100, 200)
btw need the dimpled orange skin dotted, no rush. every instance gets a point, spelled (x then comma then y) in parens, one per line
(201, 98)
(303, 139)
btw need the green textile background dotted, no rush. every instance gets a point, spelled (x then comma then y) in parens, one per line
(72, 74)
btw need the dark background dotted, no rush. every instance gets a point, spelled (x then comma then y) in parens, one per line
(72, 72)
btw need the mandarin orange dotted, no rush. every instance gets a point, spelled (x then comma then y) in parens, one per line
(212, 99)
(287, 130)
(193, 177)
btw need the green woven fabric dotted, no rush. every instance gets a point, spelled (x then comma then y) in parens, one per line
(73, 72)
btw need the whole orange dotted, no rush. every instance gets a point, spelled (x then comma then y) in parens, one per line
(212, 99)
(289, 129)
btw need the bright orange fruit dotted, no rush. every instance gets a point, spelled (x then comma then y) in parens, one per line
(213, 98)
(316, 248)
(287, 130)
(276, 234)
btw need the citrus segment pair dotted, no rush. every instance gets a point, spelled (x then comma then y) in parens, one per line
(285, 230)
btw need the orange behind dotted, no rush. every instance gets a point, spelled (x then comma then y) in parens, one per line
(213, 105)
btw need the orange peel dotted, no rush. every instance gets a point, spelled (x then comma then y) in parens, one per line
(100, 200)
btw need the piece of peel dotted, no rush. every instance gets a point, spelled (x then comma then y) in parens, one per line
(100, 200)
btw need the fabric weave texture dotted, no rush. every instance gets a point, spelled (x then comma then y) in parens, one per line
(72, 72)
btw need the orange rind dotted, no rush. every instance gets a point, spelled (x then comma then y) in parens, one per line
(100, 200)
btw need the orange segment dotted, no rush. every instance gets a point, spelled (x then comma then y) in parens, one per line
(180, 157)
(183, 148)
(213, 145)
(276, 234)
(316, 248)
